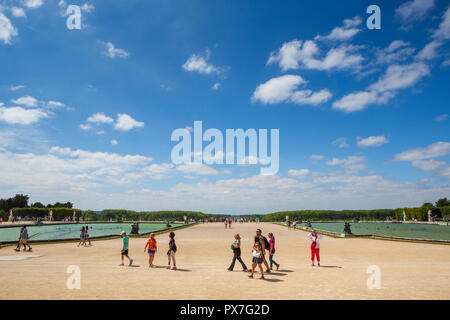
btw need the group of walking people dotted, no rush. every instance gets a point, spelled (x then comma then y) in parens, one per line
(151, 247)
(266, 246)
(84, 236)
(260, 246)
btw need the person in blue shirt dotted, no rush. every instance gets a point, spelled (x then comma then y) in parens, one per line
(124, 251)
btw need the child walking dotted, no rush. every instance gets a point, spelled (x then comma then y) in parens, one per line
(272, 251)
(152, 248)
(315, 246)
(236, 247)
(172, 251)
(257, 259)
(124, 251)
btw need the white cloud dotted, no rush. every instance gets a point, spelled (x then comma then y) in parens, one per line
(299, 174)
(19, 115)
(443, 32)
(33, 4)
(15, 88)
(427, 165)
(395, 78)
(398, 50)
(113, 52)
(434, 150)
(346, 32)
(429, 52)
(7, 30)
(296, 53)
(216, 86)
(400, 77)
(55, 104)
(28, 101)
(18, 12)
(197, 169)
(199, 63)
(351, 164)
(100, 117)
(87, 7)
(414, 10)
(126, 123)
(85, 127)
(372, 141)
(441, 117)
(317, 157)
(283, 88)
(341, 143)
(446, 63)
(114, 142)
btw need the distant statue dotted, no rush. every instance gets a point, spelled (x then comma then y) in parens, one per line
(308, 224)
(10, 218)
(168, 224)
(347, 229)
(50, 215)
(404, 215)
(429, 216)
(135, 228)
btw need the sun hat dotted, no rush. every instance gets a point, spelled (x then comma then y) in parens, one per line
(123, 232)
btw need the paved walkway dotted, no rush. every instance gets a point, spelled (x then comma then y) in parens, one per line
(408, 270)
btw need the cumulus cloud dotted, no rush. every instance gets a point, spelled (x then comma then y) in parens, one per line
(216, 86)
(114, 142)
(395, 78)
(430, 51)
(284, 89)
(100, 117)
(125, 122)
(294, 54)
(316, 157)
(443, 32)
(414, 10)
(28, 101)
(113, 52)
(197, 169)
(351, 164)
(398, 50)
(7, 30)
(341, 143)
(299, 174)
(347, 31)
(372, 141)
(434, 150)
(19, 115)
(18, 12)
(33, 4)
(199, 63)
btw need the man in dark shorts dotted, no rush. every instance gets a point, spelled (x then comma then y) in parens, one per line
(262, 242)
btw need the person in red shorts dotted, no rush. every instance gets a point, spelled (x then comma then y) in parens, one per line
(315, 246)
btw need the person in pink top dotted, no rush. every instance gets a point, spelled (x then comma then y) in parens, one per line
(272, 251)
(315, 246)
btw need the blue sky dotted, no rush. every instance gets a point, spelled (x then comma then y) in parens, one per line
(86, 115)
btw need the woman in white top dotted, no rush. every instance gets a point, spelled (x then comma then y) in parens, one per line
(315, 246)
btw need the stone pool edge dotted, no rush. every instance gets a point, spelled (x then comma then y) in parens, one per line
(368, 236)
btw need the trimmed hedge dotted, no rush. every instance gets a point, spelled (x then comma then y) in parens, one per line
(317, 215)
(58, 213)
(115, 214)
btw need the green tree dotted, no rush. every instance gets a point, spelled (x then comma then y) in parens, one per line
(442, 203)
(37, 205)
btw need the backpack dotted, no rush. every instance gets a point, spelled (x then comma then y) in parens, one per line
(266, 243)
